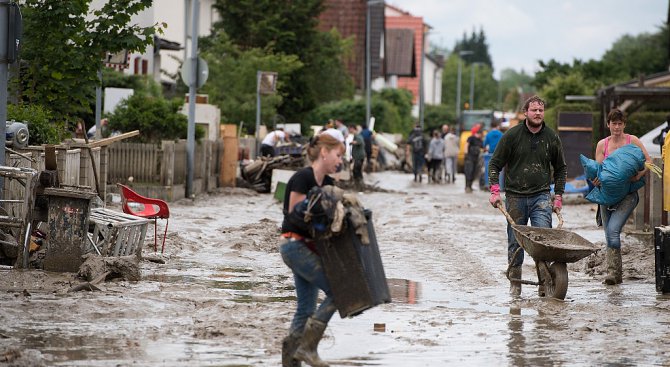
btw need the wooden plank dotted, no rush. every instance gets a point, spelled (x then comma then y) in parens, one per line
(50, 158)
(228, 130)
(108, 141)
(574, 128)
(228, 172)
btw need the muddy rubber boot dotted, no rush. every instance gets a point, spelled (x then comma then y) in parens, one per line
(613, 258)
(515, 287)
(288, 348)
(618, 274)
(307, 351)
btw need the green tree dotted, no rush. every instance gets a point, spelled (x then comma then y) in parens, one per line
(645, 53)
(283, 26)
(157, 118)
(232, 80)
(63, 45)
(628, 57)
(485, 87)
(391, 109)
(325, 73)
(290, 28)
(478, 45)
(558, 87)
(41, 125)
(438, 115)
(512, 83)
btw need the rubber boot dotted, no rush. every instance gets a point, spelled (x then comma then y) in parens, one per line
(613, 257)
(515, 287)
(619, 266)
(288, 347)
(307, 351)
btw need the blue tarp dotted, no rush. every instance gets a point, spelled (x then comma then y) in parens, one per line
(614, 174)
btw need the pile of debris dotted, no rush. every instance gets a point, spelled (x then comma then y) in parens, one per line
(258, 173)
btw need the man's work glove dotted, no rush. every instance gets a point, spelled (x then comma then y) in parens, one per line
(558, 203)
(495, 195)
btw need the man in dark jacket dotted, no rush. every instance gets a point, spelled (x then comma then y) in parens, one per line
(416, 148)
(529, 152)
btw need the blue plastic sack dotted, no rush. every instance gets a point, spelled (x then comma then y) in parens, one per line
(614, 174)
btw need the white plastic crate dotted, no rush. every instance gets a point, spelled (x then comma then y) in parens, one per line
(113, 233)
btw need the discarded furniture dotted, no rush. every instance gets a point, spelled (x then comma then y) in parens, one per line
(67, 227)
(138, 205)
(113, 233)
(16, 212)
(259, 172)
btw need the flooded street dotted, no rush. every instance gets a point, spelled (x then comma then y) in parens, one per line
(225, 298)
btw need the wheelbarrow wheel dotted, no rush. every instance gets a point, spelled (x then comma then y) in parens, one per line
(557, 287)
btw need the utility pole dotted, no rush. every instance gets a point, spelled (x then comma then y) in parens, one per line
(190, 131)
(421, 76)
(458, 82)
(10, 29)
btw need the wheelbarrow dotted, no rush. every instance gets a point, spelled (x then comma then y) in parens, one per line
(551, 249)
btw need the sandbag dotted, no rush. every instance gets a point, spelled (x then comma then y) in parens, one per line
(614, 174)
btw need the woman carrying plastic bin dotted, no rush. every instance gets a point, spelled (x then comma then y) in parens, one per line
(299, 253)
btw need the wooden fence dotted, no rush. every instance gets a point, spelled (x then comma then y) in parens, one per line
(140, 161)
(160, 171)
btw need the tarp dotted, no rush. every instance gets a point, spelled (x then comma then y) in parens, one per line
(614, 174)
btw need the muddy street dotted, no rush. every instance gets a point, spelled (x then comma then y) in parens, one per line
(225, 298)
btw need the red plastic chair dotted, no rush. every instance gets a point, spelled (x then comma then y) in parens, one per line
(151, 209)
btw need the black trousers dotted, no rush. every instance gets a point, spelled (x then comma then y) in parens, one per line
(267, 150)
(471, 168)
(358, 170)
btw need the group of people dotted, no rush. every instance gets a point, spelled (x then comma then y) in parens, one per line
(531, 154)
(358, 142)
(440, 154)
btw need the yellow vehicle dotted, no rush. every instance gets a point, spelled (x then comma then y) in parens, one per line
(467, 121)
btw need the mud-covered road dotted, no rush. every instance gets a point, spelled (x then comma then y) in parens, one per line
(225, 298)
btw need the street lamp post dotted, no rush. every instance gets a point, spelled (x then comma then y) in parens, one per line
(472, 84)
(368, 67)
(458, 82)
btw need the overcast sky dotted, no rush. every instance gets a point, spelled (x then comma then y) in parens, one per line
(521, 32)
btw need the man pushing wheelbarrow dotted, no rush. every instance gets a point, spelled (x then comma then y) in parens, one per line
(528, 152)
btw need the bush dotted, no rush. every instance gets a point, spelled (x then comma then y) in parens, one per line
(155, 117)
(42, 127)
(436, 116)
(391, 109)
(640, 123)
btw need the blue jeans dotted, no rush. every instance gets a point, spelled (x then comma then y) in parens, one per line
(615, 216)
(537, 208)
(309, 278)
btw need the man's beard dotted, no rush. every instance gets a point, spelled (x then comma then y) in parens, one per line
(532, 123)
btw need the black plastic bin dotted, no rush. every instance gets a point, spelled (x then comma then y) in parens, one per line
(662, 250)
(354, 271)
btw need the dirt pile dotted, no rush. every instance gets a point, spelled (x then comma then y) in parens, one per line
(637, 259)
(262, 236)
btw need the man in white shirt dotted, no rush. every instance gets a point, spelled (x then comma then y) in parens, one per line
(271, 140)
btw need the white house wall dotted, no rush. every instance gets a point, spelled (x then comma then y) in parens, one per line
(432, 82)
(173, 13)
